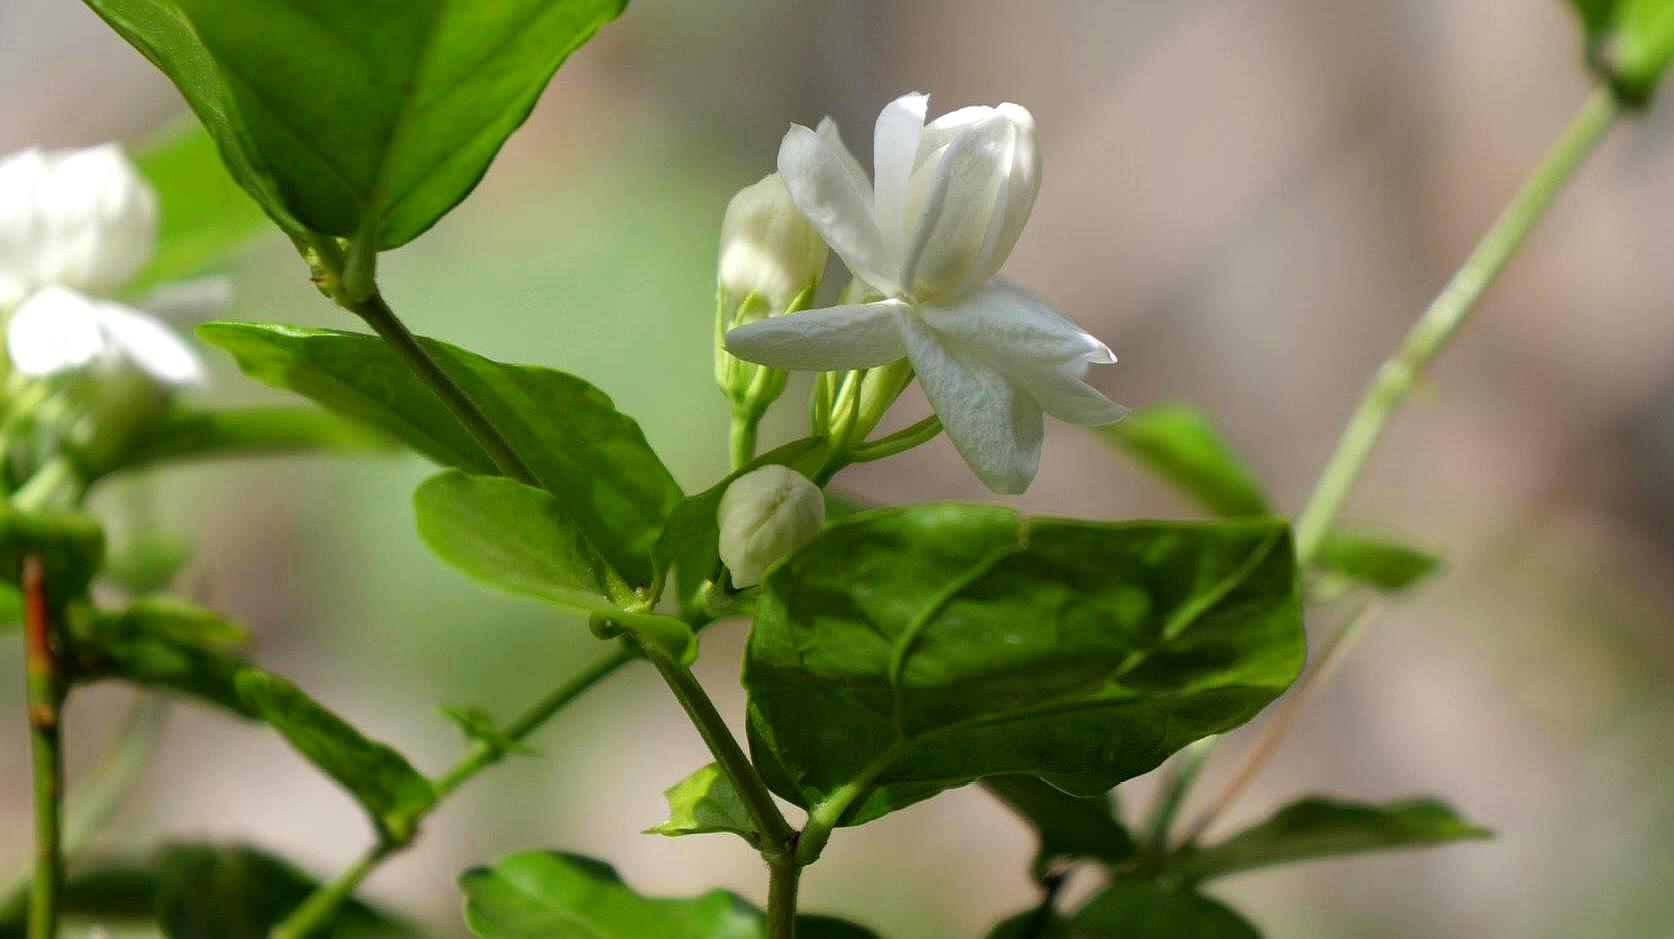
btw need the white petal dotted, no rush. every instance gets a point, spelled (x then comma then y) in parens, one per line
(1005, 323)
(841, 211)
(839, 337)
(1062, 394)
(828, 132)
(894, 153)
(143, 340)
(995, 425)
(189, 302)
(55, 330)
(960, 187)
(20, 177)
(1015, 200)
(97, 219)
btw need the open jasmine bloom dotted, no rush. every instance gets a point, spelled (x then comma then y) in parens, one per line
(951, 199)
(75, 226)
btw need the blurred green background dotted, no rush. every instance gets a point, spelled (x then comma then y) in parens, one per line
(1248, 200)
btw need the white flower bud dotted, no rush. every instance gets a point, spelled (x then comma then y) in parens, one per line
(83, 219)
(766, 514)
(767, 246)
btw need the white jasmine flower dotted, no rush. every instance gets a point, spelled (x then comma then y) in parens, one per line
(952, 197)
(74, 227)
(764, 515)
(767, 246)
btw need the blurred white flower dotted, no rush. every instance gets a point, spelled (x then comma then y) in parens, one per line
(767, 246)
(74, 227)
(764, 515)
(952, 197)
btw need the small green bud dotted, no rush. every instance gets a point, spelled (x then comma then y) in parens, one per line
(764, 515)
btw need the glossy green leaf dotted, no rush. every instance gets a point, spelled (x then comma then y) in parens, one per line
(706, 802)
(1374, 562)
(1629, 43)
(1319, 827)
(554, 895)
(913, 649)
(365, 120)
(1067, 826)
(211, 892)
(592, 458)
(1139, 909)
(515, 537)
(206, 217)
(70, 545)
(1181, 445)
(185, 435)
(380, 779)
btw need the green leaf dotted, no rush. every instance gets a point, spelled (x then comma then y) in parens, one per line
(184, 435)
(515, 537)
(705, 802)
(148, 562)
(210, 892)
(206, 217)
(11, 609)
(112, 892)
(70, 545)
(914, 649)
(1629, 43)
(368, 120)
(1068, 826)
(554, 895)
(380, 779)
(1180, 444)
(1023, 926)
(1319, 827)
(152, 645)
(1383, 565)
(479, 726)
(1139, 909)
(592, 458)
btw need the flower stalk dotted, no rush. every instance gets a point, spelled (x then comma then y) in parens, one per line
(45, 689)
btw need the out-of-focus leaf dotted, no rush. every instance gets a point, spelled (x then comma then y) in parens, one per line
(918, 648)
(1180, 444)
(590, 457)
(212, 892)
(1026, 925)
(706, 802)
(1629, 43)
(515, 537)
(1140, 909)
(185, 435)
(367, 120)
(1067, 826)
(1319, 827)
(172, 650)
(479, 726)
(1374, 562)
(177, 619)
(554, 895)
(206, 217)
(11, 609)
(380, 779)
(69, 545)
(148, 562)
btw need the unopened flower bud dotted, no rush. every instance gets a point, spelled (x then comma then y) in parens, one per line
(767, 246)
(766, 514)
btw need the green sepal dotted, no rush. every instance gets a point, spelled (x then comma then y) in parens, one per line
(706, 802)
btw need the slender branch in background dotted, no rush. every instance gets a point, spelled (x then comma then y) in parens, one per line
(1450, 310)
(321, 906)
(45, 690)
(1289, 710)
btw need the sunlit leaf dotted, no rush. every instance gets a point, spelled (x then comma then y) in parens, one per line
(706, 802)
(1317, 827)
(924, 647)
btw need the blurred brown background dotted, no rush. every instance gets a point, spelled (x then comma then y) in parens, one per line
(1248, 200)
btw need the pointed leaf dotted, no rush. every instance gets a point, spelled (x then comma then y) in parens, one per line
(1068, 826)
(1319, 827)
(380, 779)
(1139, 909)
(922, 647)
(367, 119)
(592, 458)
(1180, 444)
(554, 895)
(1374, 562)
(705, 802)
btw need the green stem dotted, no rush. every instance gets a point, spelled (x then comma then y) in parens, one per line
(783, 878)
(899, 442)
(45, 696)
(57, 479)
(1446, 314)
(405, 345)
(743, 438)
(778, 838)
(320, 906)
